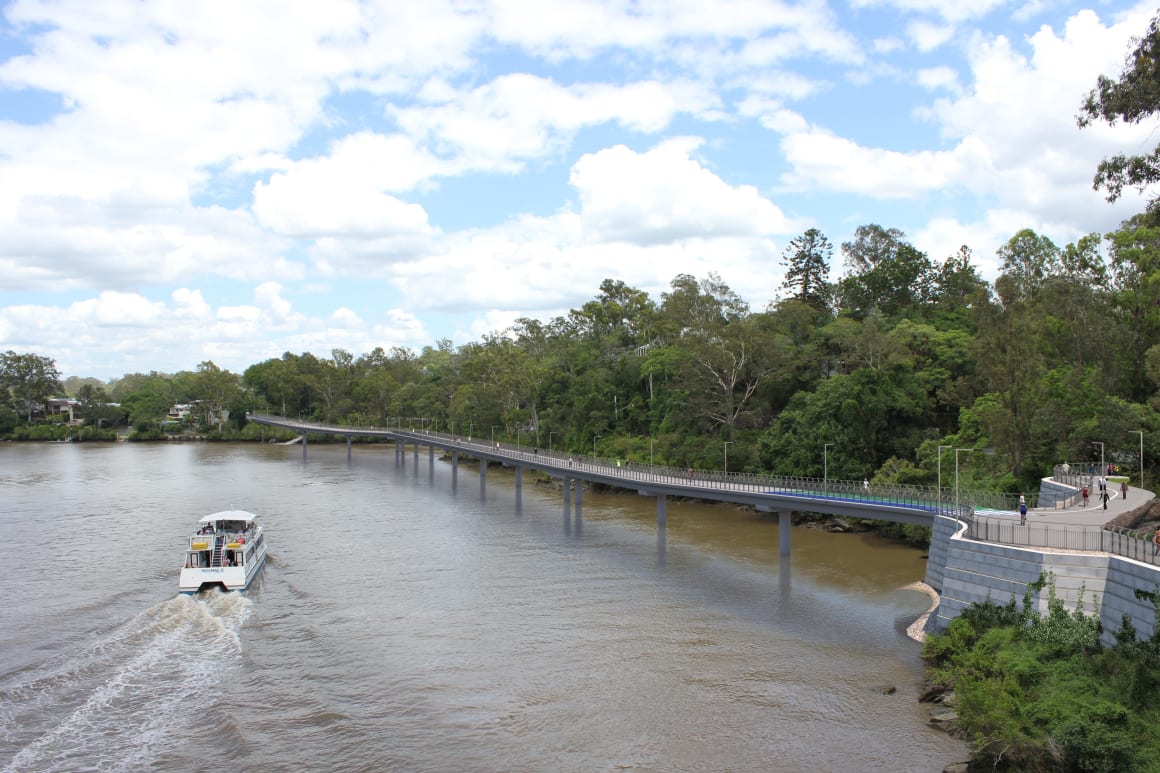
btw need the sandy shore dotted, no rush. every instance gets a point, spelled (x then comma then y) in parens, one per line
(916, 629)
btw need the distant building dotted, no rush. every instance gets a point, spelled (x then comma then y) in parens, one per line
(63, 406)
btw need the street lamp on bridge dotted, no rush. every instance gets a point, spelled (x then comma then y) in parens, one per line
(940, 450)
(1101, 445)
(957, 452)
(826, 468)
(1140, 432)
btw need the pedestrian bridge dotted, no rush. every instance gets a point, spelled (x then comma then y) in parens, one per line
(773, 494)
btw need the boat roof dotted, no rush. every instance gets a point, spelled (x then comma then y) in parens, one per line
(229, 515)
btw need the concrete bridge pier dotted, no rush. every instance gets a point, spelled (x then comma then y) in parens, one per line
(567, 505)
(431, 459)
(784, 524)
(578, 513)
(348, 439)
(519, 486)
(662, 510)
(400, 453)
(415, 448)
(483, 478)
(303, 436)
(454, 468)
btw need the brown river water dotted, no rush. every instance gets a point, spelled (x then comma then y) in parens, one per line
(401, 624)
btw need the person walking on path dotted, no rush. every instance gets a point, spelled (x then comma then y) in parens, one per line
(1104, 496)
(1124, 491)
(1085, 496)
(1022, 513)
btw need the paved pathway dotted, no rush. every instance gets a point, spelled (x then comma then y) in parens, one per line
(1092, 515)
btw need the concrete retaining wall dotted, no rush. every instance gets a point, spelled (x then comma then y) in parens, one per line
(1055, 494)
(965, 571)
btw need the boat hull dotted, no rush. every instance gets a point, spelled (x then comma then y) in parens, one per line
(229, 578)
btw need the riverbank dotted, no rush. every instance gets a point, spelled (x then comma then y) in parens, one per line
(917, 629)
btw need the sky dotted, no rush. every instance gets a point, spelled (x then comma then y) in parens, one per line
(183, 182)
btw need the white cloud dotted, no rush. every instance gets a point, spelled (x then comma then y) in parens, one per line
(939, 79)
(823, 161)
(927, 37)
(514, 118)
(663, 196)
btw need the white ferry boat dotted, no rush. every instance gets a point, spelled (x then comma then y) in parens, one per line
(227, 551)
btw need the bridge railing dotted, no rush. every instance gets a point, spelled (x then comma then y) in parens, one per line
(1129, 543)
(640, 473)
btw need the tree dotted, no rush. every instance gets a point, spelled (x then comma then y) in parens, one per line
(886, 273)
(807, 263)
(1027, 260)
(216, 389)
(29, 379)
(1134, 97)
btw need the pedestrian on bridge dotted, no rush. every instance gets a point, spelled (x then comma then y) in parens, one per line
(1104, 496)
(1022, 513)
(1085, 496)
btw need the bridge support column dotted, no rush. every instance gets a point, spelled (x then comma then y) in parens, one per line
(416, 451)
(431, 459)
(784, 524)
(348, 439)
(482, 475)
(454, 468)
(579, 495)
(303, 436)
(567, 495)
(519, 484)
(662, 510)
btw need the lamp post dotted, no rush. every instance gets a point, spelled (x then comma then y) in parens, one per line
(957, 452)
(826, 468)
(940, 450)
(1101, 445)
(493, 426)
(594, 437)
(1140, 432)
(727, 442)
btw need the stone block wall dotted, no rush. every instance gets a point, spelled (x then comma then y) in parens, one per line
(965, 572)
(1124, 577)
(942, 529)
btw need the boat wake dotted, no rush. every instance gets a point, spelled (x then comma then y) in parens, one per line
(109, 705)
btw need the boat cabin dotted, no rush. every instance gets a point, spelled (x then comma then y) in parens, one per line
(223, 539)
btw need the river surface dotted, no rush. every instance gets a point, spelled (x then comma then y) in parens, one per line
(403, 624)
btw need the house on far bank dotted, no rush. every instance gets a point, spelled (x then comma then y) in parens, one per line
(63, 406)
(179, 412)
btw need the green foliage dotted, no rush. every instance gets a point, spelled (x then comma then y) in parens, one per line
(1133, 98)
(1037, 692)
